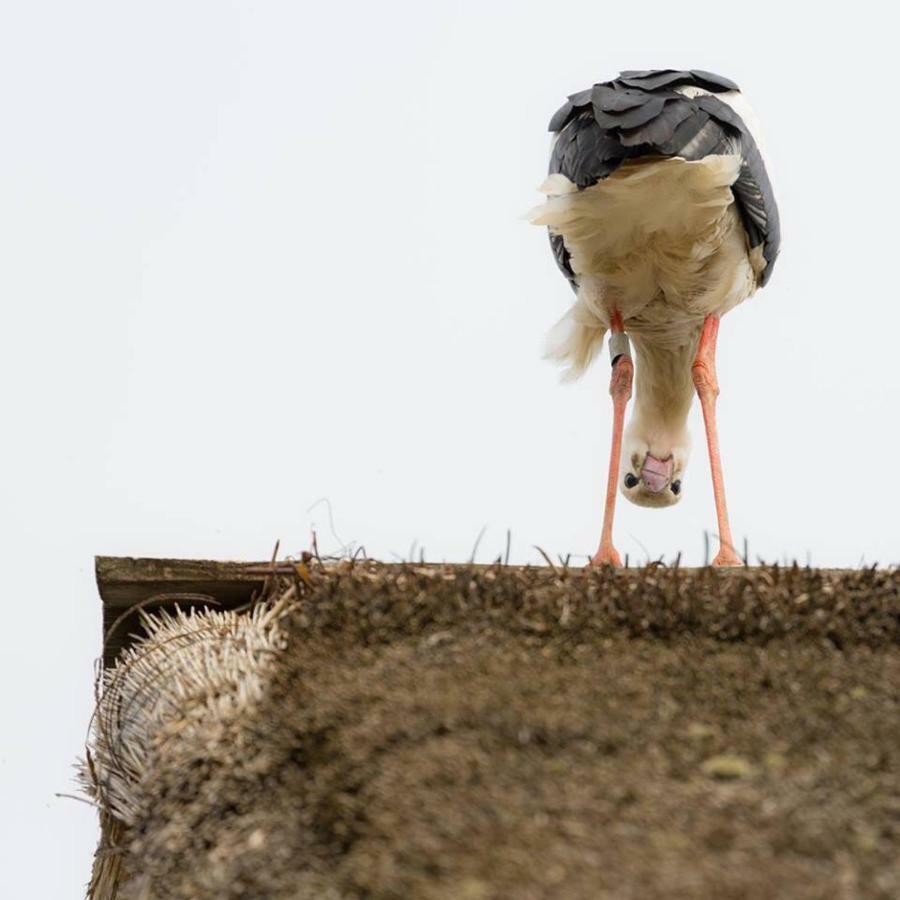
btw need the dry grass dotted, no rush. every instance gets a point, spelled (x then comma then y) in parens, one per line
(372, 731)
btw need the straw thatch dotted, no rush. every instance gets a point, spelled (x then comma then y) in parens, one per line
(372, 731)
(192, 678)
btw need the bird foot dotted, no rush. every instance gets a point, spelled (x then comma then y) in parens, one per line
(727, 557)
(607, 555)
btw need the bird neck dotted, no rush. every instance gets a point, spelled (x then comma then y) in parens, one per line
(664, 390)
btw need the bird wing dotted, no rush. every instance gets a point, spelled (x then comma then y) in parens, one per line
(642, 114)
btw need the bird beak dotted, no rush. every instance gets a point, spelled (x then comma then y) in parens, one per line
(657, 473)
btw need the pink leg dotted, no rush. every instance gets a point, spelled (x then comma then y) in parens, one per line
(620, 391)
(707, 385)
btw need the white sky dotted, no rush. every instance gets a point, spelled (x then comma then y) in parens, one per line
(257, 254)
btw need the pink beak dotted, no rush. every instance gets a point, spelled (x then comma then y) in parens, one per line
(657, 473)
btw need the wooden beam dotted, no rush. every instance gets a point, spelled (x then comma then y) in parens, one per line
(126, 583)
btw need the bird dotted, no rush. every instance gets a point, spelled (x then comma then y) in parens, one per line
(662, 216)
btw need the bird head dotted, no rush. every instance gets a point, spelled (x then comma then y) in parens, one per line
(652, 467)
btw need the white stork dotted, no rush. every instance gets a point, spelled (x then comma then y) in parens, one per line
(662, 217)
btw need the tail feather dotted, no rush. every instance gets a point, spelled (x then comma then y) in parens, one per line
(575, 341)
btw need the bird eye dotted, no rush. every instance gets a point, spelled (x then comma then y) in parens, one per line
(630, 480)
(676, 487)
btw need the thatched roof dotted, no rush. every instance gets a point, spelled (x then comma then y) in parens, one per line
(368, 731)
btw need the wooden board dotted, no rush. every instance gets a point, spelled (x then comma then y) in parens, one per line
(126, 583)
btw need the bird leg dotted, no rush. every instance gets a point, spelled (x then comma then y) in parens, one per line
(620, 390)
(703, 372)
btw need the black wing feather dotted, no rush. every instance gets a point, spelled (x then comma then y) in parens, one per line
(584, 152)
(561, 254)
(658, 130)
